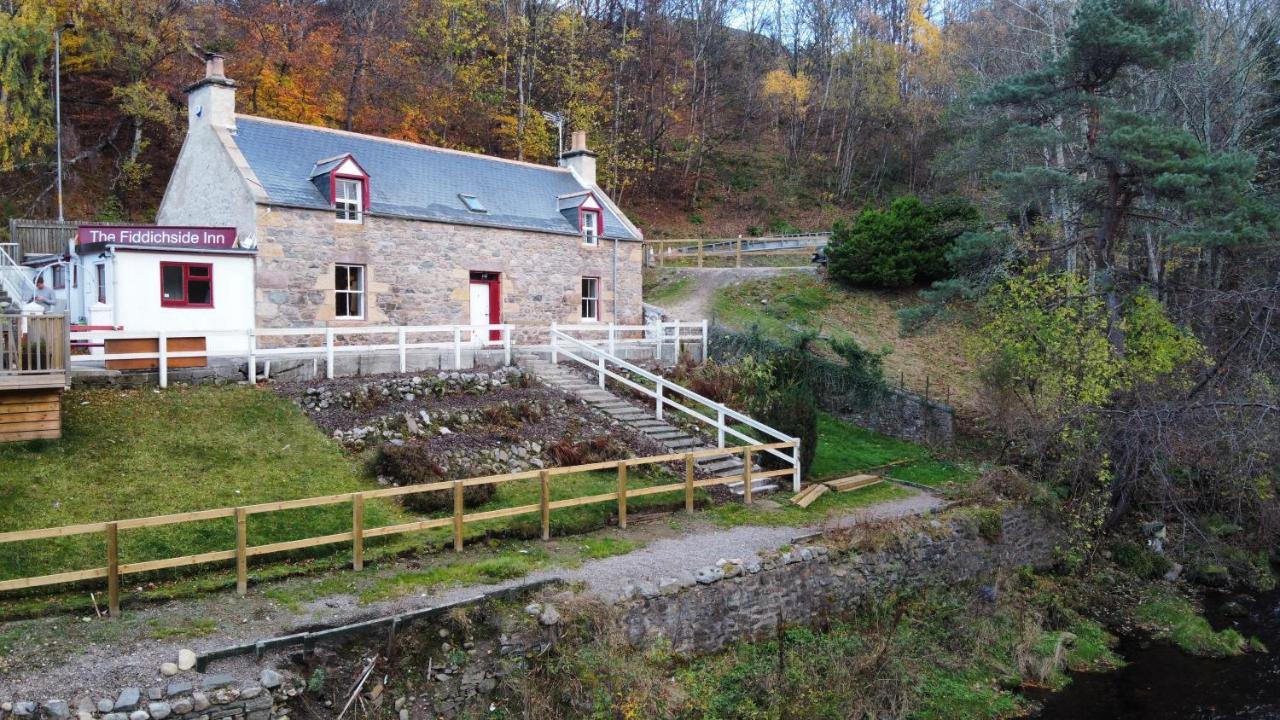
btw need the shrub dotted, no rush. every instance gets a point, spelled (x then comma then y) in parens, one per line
(1139, 560)
(901, 246)
(594, 449)
(412, 464)
(990, 524)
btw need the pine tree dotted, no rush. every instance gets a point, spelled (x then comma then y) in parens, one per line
(1134, 163)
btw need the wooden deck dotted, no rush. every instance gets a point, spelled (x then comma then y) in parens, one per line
(33, 374)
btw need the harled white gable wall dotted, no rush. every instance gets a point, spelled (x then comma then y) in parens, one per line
(207, 188)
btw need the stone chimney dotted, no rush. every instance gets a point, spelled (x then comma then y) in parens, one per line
(212, 100)
(580, 159)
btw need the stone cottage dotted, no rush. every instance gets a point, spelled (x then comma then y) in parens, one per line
(355, 230)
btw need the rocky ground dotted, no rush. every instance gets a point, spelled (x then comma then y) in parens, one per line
(468, 423)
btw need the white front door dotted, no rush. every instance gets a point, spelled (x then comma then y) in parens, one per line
(479, 309)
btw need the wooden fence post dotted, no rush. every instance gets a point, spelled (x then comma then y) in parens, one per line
(457, 348)
(457, 516)
(658, 393)
(506, 346)
(622, 494)
(357, 531)
(242, 556)
(113, 570)
(746, 475)
(739, 253)
(688, 483)
(400, 342)
(544, 479)
(699, 252)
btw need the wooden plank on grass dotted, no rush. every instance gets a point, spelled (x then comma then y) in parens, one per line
(806, 497)
(853, 482)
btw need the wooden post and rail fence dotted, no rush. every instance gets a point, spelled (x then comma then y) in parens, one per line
(114, 570)
(700, 249)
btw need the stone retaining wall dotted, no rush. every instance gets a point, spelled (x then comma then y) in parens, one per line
(703, 611)
(212, 697)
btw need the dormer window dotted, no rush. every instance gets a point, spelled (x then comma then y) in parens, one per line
(591, 222)
(348, 199)
(345, 185)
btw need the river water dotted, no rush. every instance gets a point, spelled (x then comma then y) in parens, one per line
(1163, 683)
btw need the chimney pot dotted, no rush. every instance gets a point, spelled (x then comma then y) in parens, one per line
(579, 141)
(213, 66)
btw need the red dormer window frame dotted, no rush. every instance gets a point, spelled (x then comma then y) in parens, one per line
(599, 213)
(334, 176)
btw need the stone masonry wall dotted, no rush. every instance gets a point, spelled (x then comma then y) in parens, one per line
(701, 612)
(419, 272)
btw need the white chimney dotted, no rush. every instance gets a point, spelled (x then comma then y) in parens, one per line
(580, 159)
(212, 100)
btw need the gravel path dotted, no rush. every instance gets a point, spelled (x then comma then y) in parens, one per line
(69, 657)
(697, 304)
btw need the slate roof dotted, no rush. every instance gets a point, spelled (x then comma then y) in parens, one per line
(414, 181)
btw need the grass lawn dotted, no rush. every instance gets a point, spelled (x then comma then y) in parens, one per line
(845, 449)
(137, 453)
(783, 304)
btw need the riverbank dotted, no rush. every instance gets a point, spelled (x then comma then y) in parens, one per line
(1161, 680)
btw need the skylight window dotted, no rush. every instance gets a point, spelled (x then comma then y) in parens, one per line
(473, 203)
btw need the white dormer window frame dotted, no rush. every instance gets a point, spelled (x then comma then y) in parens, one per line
(590, 220)
(348, 200)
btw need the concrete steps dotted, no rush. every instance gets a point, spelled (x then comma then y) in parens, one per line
(641, 419)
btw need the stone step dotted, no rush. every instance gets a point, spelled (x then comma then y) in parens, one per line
(642, 419)
(667, 435)
(757, 486)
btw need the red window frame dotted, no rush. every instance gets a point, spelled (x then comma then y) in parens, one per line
(582, 213)
(186, 284)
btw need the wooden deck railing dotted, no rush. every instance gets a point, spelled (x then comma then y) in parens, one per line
(33, 351)
(114, 570)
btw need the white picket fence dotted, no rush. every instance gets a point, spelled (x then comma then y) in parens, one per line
(326, 343)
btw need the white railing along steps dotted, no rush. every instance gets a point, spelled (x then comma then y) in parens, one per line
(668, 396)
(672, 438)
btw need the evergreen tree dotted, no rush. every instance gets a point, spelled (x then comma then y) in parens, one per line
(901, 246)
(1136, 168)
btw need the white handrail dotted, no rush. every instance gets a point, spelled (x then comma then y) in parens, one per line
(662, 391)
(13, 278)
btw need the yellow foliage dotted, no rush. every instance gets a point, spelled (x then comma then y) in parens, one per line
(786, 89)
